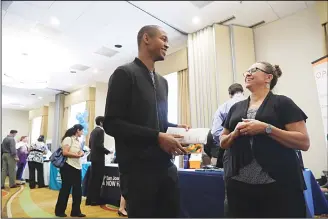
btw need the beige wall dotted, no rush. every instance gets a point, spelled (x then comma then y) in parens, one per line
(244, 52)
(101, 93)
(223, 61)
(293, 43)
(173, 63)
(15, 119)
(51, 117)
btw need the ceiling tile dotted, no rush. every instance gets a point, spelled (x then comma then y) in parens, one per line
(65, 12)
(26, 11)
(251, 12)
(285, 8)
(41, 4)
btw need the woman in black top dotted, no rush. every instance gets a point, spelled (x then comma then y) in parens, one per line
(261, 135)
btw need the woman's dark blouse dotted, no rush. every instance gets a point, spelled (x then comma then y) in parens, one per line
(280, 162)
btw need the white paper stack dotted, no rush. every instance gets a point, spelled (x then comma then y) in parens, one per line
(192, 136)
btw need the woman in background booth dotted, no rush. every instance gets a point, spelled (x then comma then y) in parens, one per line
(22, 153)
(35, 162)
(71, 173)
(261, 134)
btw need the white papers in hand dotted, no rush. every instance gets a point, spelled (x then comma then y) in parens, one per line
(192, 136)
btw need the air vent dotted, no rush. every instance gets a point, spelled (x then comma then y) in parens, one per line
(200, 4)
(104, 51)
(79, 67)
(47, 30)
(257, 24)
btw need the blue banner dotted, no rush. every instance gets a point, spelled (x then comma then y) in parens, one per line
(55, 182)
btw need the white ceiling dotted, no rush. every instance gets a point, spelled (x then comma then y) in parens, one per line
(55, 35)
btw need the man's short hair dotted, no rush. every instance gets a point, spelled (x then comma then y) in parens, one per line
(99, 119)
(235, 88)
(149, 29)
(13, 131)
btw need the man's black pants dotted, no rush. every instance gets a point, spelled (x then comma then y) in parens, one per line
(152, 194)
(95, 181)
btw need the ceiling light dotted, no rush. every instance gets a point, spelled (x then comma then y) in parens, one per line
(33, 94)
(95, 70)
(118, 46)
(54, 21)
(40, 98)
(196, 20)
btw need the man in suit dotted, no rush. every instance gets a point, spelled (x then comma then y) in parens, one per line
(97, 157)
(136, 116)
(9, 160)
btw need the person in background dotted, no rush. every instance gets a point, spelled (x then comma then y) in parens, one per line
(236, 93)
(122, 208)
(136, 116)
(9, 159)
(71, 173)
(35, 162)
(22, 153)
(261, 135)
(97, 157)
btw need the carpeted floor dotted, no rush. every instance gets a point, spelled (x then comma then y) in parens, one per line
(40, 203)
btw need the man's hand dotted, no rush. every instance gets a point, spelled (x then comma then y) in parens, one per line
(170, 144)
(187, 127)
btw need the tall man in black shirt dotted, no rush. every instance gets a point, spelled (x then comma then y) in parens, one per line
(136, 116)
(98, 151)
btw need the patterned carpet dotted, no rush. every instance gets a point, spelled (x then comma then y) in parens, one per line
(40, 203)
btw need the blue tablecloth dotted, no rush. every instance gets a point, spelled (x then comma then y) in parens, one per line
(55, 178)
(202, 194)
(316, 202)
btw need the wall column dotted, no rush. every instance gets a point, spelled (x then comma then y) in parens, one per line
(57, 124)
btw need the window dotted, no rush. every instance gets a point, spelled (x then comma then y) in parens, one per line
(36, 129)
(172, 80)
(75, 109)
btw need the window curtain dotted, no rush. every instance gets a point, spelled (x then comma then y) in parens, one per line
(183, 98)
(203, 77)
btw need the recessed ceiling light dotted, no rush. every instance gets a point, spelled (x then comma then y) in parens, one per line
(95, 70)
(54, 21)
(118, 46)
(196, 20)
(40, 98)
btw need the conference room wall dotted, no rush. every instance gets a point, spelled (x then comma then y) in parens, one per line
(101, 93)
(14, 119)
(51, 117)
(173, 63)
(244, 52)
(293, 43)
(223, 61)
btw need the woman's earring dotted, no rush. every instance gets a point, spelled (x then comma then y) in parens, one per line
(267, 85)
